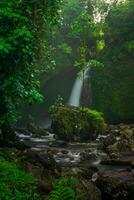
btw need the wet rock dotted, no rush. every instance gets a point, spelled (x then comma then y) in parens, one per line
(113, 130)
(84, 156)
(24, 144)
(56, 137)
(22, 132)
(125, 159)
(90, 190)
(87, 173)
(115, 146)
(80, 172)
(64, 151)
(127, 133)
(112, 151)
(125, 145)
(116, 162)
(71, 158)
(116, 185)
(124, 127)
(108, 141)
(72, 171)
(44, 160)
(94, 177)
(50, 130)
(58, 143)
(52, 151)
(35, 130)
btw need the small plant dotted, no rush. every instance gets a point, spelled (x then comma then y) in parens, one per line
(65, 189)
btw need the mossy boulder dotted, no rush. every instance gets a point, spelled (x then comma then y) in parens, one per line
(77, 124)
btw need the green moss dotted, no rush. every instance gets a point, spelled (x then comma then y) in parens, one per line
(73, 123)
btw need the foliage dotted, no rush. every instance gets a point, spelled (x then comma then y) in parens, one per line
(75, 40)
(75, 33)
(82, 25)
(114, 84)
(72, 123)
(66, 48)
(65, 189)
(21, 42)
(57, 103)
(15, 184)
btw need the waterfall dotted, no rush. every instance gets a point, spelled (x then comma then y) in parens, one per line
(74, 99)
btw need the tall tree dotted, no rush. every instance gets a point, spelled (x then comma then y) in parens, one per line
(22, 24)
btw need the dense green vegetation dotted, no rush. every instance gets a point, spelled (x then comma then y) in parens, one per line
(22, 25)
(73, 39)
(110, 41)
(113, 85)
(84, 39)
(31, 34)
(15, 184)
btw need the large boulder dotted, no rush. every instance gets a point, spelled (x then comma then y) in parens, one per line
(91, 192)
(119, 140)
(116, 185)
(77, 124)
(41, 164)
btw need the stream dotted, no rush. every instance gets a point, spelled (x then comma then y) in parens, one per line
(70, 154)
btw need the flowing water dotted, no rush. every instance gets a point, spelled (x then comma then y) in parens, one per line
(73, 154)
(75, 96)
(67, 155)
(74, 99)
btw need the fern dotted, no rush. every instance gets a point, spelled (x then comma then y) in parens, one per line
(62, 194)
(64, 189)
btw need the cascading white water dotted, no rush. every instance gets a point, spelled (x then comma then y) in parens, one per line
(75, 96)
(74, 99)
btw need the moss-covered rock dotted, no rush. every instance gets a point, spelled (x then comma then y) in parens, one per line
(119, 140)
(77, 124)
